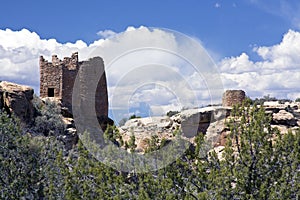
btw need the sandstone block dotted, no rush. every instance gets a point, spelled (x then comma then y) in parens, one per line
(16, 99)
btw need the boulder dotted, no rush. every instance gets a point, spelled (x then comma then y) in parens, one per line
(272, 104)
(69, 138)
(284, 118)
(219, 151)
(209, 120)
(296, 113)
(16, 99)
(282, 128)
(194, 121)
(68, 122)
(163, 122)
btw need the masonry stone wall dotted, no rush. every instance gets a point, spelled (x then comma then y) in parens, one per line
(57, 80)
(87, 77)
(51, 77)
(233, 97)
(69, 71)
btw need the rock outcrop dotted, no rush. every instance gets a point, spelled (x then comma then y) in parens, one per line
(194, 121)
(144, 128)
(284, 118)
(208, 120)
(17, 99)
(70, 136)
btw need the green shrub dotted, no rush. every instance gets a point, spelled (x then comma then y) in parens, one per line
(48, 121)
(19, 164)
(134, 116)
(112, 134)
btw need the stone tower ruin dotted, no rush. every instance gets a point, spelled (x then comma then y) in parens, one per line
(57, 80)
(233, 97)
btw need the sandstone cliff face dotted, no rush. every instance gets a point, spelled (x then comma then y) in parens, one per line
(16, 99)
(209, 120)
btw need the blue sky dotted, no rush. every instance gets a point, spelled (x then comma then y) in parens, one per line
(226, 27)
(254, 43)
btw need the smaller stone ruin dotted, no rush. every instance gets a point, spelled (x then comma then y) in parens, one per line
(233, 97)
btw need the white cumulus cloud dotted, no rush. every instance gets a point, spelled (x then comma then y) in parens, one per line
(158, 68)
(20, 52)
(277, 73)
(134, 59)
(106, 33)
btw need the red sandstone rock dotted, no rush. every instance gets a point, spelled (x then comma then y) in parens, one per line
(16, 99)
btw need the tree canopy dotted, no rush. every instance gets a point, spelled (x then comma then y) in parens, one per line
(258, 162)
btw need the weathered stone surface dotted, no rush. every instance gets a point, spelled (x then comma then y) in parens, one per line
(296, 113)
(149, 122)
(233, 97)
(50, 77)
(273, 104)
(284, 118)
(16, 99)
(69, 138)
(219, 151)
(144, 128)
(68, 122)
(215, 132)
(282, 128)
(87, 77)
(57, 80)
(194, 121)
(222, 138)
(209, 120)
(271, 110)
